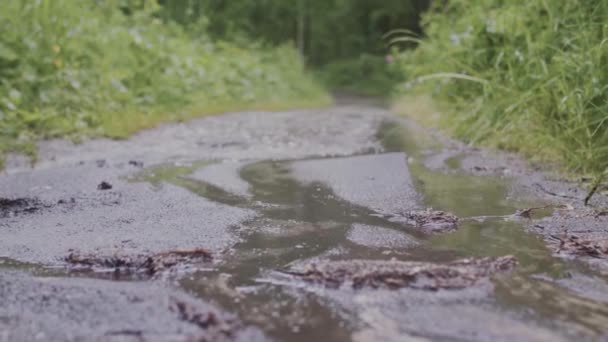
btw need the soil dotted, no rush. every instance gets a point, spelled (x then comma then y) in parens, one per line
(433, 221)
(399, 274)
(149, 265)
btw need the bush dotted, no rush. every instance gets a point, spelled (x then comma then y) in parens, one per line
(330, 29)
(526, 75)
(96, 67)
(366, 75)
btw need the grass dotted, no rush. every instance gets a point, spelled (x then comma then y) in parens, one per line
(526, 76)
(116, 126)
(77, 69)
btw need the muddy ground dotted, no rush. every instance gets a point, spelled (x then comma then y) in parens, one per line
(231, 228)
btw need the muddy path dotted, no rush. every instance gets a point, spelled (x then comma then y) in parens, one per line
(343, 224)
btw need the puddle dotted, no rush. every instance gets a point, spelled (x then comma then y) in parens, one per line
(453, 163)
(471, 196)
(299, 222)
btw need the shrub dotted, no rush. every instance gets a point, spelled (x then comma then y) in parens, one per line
(96, 67)
(367, 75)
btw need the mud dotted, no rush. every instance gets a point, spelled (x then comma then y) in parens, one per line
(149, 265)
(432, 221)
(575, 245)
(399, 274)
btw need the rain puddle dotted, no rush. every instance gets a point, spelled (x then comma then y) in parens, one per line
(302, 221)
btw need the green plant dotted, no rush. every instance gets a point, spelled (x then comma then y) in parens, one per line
(520, 75)
(367, 75)
(325, 30)
(112, 67)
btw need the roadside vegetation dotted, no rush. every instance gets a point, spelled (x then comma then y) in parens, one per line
(343, 41)
(527, 76)
(367, 74)
(110, 68)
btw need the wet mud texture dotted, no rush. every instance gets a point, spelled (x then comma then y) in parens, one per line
(15, 206)
(432, 221)
(149, 265)
(399, 274)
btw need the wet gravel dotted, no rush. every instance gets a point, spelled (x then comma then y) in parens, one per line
(55, 309)
(332, 189)
(78, 207)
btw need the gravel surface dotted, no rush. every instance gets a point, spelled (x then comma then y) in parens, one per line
(82, 199)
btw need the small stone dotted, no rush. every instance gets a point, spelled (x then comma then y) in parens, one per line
(136, 163)
(104, 186)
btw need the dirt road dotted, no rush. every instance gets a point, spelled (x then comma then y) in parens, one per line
(342, 224)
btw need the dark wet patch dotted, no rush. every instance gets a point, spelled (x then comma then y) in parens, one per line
(125, 332)
(148, 265)
(136, 163)
(104, 186)
(394, 274)
(432, 221)
(72, 200)
(15, 206)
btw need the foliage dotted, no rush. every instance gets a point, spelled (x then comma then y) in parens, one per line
(366, 75)
(332, 29)
(527, 75)
(111, 67)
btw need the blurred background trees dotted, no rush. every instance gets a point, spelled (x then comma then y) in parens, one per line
(327, 30)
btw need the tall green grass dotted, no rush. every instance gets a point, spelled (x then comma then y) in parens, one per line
(97, 68)
(524, 75)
